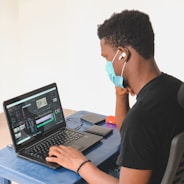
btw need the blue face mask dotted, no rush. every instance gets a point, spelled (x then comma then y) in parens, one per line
(117, 80)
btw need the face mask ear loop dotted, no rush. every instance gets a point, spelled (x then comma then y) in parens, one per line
(115, 56)
(123, 68)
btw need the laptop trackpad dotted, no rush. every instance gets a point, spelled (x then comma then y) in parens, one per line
(76, 146)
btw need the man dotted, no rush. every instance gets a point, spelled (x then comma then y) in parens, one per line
(127, 43)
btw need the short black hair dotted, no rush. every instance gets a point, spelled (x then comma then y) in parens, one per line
(129, 28)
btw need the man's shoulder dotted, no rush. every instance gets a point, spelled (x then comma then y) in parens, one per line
(168, 77)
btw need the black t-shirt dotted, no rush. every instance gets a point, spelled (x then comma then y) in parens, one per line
(150, 125)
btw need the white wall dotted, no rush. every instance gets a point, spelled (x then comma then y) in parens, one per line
(9, 49)
(55, 40)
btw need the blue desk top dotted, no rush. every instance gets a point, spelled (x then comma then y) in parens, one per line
(23, 171)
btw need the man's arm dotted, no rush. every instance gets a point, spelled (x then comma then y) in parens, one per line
(134, 176)
(72, 159)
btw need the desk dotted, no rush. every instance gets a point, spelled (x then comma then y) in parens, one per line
(26, 172)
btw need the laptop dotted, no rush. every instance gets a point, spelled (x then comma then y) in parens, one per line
(36, 122)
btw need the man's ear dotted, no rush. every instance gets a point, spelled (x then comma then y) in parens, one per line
(122, 56)
(125, 53)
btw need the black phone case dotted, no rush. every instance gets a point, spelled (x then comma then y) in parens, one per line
(99, 130)
(93, 118)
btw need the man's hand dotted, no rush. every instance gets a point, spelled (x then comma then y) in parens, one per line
(66, 156)
(124, 91)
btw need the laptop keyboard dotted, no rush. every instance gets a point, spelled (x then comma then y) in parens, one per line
(41, 149)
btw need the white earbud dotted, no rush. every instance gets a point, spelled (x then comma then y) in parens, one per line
(122, 56)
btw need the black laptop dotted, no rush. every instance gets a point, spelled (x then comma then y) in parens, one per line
(36, 122)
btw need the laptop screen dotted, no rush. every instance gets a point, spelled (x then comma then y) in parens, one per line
(34, 114)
